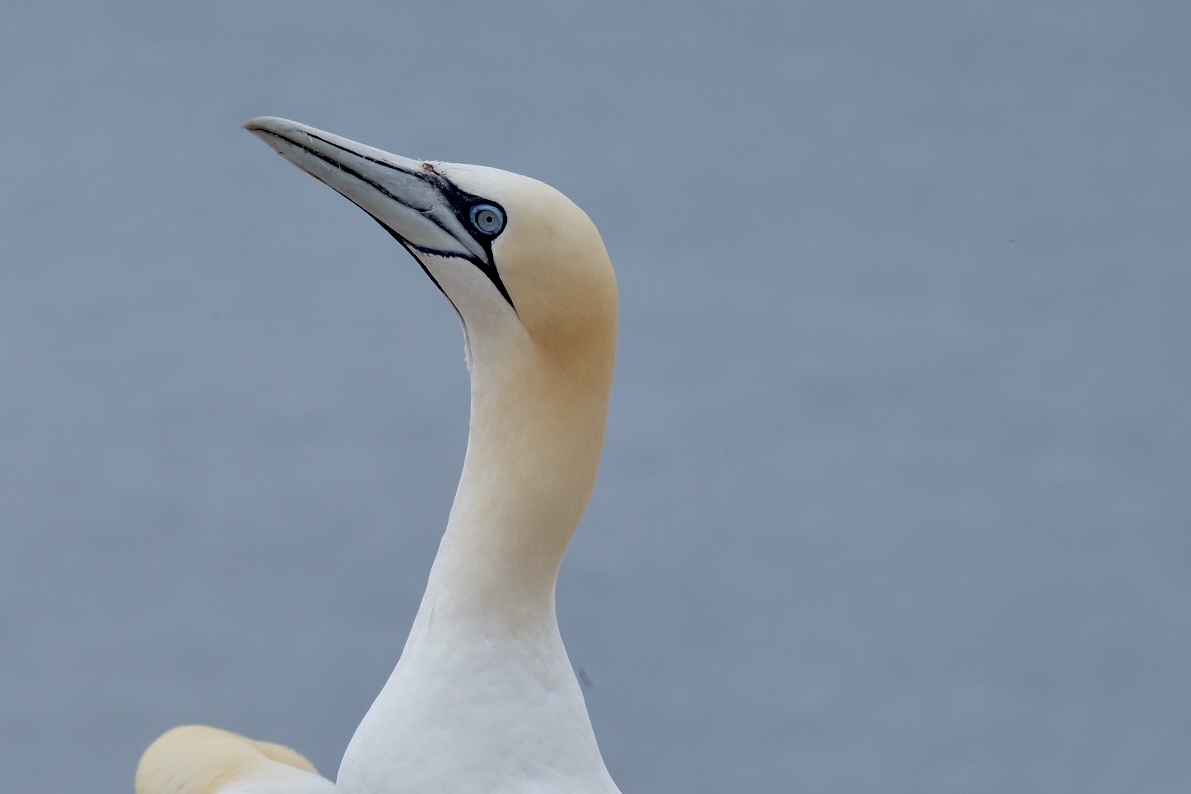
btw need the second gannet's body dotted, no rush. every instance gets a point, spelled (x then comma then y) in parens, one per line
(483, 698)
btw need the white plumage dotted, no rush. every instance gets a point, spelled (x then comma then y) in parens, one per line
(483, 698)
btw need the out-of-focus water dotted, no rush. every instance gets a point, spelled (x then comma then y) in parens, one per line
(897, 491)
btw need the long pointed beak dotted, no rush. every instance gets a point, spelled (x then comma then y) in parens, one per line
(405, 196)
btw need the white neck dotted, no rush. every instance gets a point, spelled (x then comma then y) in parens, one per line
(484, 697)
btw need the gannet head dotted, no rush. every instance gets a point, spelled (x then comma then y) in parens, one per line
(524, 267)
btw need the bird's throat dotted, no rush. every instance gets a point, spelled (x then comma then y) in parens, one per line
(533, 451)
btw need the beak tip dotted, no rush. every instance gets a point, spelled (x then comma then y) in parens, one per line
(267, 124)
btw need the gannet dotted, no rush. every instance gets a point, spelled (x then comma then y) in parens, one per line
(483, 697)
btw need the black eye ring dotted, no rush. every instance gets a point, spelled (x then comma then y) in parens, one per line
(488, 219)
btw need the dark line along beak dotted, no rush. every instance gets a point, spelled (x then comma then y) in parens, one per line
(403, 195)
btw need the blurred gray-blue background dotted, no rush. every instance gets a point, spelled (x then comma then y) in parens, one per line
(897, 490)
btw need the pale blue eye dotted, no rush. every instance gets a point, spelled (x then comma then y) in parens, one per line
(488, 218)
